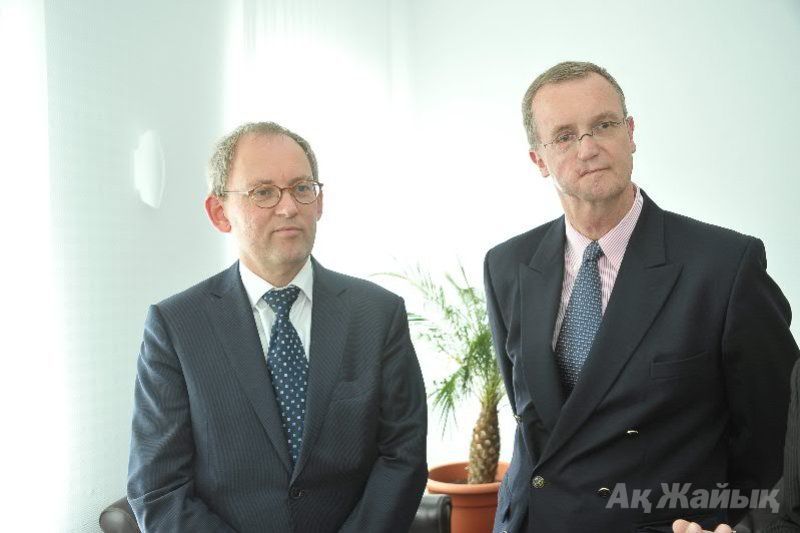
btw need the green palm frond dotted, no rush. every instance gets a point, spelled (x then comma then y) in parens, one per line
(459, 329)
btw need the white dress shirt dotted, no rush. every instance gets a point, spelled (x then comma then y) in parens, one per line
(299, 316)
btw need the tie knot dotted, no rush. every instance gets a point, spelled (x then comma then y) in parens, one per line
(281, 300)
(592, 252)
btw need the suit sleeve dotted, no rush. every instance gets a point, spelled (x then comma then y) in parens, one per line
(395, 484)
(499, 334)
(789, 518)
(499, 338)
(758, 354)
(160, 479)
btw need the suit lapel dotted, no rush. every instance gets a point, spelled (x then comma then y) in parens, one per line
(643, 284)
(539, 295)
(234, 324)
(329, 317)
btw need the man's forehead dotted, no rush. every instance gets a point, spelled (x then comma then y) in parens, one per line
(267, 146)
(574, 100)
(267, 157)
(274, 140)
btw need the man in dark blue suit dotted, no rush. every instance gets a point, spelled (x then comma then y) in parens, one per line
(276, 395)
(643, 352)
(788, 520)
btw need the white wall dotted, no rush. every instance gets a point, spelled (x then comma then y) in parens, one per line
(31, 389)
(114, 72)
(413, 109)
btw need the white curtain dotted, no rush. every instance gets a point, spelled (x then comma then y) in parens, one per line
(33, 448)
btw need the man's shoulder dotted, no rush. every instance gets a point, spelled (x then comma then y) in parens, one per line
(522, 246)
(358, 287)
(691, 235)
(198, 292)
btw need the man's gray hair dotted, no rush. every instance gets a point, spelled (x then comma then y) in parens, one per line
(566, 71)
(219, 166)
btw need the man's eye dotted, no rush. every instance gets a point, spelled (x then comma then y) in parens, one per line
(264, 192)
(302, 187)
(605, 125)
(564, 138)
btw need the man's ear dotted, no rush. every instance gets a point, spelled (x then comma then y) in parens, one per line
(631, 125)
(319, 205)
(539, 162)
(216, 213)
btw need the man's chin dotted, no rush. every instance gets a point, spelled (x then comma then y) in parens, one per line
(603, 190)
(290, 258)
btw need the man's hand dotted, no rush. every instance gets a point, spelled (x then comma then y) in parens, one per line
(682, 526)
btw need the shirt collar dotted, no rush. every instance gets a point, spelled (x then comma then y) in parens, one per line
(615, 242)
(256, 287)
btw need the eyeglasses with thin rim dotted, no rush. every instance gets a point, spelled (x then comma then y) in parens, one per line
(268, 195)
(566, 141)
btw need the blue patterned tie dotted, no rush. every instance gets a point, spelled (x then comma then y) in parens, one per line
(288, 367)
(581, 320)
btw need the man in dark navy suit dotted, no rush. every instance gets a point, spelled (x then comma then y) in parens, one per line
(276, 395)
(788, 519)
(642, 351)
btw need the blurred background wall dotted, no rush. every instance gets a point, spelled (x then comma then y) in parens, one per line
(413, 109)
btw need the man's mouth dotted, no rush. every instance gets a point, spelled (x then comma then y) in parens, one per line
(287, 230)
(590, 171)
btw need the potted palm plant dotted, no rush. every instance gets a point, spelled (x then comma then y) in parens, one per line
(460, 331)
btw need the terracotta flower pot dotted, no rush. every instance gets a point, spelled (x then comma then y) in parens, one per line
(473, 506)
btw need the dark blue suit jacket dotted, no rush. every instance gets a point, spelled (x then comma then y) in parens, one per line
(687, 380)
(208, 452)
(789, 519)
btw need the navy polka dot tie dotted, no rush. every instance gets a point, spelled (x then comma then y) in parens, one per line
(581, 320)
(288, 367)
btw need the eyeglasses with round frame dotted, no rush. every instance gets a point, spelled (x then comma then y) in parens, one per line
(268, 195)
(604, 129)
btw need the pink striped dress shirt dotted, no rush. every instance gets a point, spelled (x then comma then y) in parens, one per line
(614, 243)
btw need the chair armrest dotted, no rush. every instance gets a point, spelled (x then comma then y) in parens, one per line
(433, 515)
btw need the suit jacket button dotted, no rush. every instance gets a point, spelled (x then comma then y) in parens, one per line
(296, 493)
(603, 492)
(538, 482)
(632, 433)
(518, 418)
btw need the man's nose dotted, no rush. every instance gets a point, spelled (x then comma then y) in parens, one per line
(287, 205)
(587, 146)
